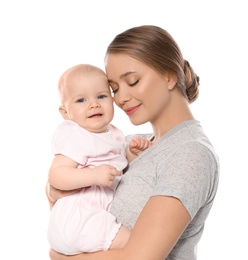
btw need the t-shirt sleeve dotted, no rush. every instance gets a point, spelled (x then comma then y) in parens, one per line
(69, 141)
(189, 176)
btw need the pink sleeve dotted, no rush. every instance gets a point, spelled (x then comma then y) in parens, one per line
(69, 140)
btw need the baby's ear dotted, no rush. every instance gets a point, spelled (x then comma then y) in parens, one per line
(63, 112)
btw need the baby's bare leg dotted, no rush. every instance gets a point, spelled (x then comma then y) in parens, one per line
(121, 238)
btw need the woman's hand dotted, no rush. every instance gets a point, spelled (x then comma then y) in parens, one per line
(54, 194)
(56, 256)
(113, 254)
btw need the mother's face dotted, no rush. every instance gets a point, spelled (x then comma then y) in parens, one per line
(140, 91)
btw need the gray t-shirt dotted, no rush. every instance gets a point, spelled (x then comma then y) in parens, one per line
(181, 164)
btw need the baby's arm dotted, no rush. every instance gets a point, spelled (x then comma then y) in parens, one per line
(136, 146)
(64, 174)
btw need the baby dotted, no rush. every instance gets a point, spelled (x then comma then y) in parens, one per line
(91, 154)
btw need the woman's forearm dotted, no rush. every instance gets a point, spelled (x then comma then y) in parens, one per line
(115, 254)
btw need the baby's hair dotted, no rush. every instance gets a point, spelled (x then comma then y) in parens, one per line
(84, 69)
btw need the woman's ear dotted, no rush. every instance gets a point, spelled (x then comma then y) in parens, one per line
(63, 112)
(171, 80)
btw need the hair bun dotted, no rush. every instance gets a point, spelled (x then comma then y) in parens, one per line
(192, 82)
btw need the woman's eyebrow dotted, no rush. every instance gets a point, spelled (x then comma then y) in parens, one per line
(126, 74)
(123, 75)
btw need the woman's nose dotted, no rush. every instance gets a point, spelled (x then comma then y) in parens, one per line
(122, 96)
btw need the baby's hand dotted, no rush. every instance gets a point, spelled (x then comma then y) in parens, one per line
(139, 144)
(105, 175)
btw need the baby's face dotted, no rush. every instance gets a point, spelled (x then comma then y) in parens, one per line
(88, 101)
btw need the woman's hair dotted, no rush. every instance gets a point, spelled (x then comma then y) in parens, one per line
(156, 48)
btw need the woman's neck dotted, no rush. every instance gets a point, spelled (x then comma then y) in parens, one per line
(172, 116)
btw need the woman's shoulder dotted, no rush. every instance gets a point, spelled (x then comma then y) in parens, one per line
(131, 136)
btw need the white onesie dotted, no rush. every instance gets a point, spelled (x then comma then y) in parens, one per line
(81, 222)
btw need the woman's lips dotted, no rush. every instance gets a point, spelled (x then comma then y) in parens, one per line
(131, 110)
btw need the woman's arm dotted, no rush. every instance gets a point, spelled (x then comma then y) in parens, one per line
(158, 228)
(54, 194)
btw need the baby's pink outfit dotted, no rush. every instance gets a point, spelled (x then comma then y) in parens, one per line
(81, 222)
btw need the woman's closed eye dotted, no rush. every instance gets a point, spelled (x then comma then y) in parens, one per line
(134, 83)
(115, 90)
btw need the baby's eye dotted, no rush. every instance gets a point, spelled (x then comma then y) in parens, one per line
(101, 96)
(81, 100)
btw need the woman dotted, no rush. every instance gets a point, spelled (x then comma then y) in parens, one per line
(166, 194)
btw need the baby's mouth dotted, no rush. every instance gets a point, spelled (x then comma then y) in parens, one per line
(95, 115)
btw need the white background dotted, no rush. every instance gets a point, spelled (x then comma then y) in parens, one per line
(41, 39)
